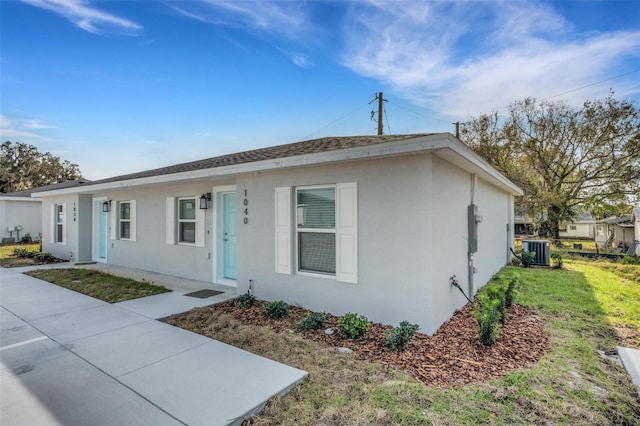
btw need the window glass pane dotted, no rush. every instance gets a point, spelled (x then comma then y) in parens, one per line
(125, 210)
(60, 213)
(59, 234)
(317, 208)
(317, 252)
(187, 232)
(125, 230)
(188, 209)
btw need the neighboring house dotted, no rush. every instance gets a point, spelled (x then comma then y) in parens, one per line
(376, 225)
(20, 214)
(615, 233)
(523, 223)
(583, 226)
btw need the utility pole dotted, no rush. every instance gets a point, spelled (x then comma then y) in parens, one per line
(380, 125)
(380, 100)
(457, 123)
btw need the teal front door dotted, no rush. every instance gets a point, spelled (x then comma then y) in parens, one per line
(229, 235)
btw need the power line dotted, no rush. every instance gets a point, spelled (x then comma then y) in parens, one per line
(592, 84)
(418, 113)
(386, 116)
(335, 121)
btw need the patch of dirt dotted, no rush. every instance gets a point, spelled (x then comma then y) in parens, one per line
(452, 356)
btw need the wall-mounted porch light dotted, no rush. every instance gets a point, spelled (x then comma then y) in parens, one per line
(106, 206)
(204, 199)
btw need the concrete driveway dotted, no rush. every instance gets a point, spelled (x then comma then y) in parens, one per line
(69, 359)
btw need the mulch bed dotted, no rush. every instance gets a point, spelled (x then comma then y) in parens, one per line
(452, 356)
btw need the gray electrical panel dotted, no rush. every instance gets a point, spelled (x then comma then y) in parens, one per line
(472, 221)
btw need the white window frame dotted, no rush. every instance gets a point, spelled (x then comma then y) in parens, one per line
(194, 221)
(299, 230)
(117, 215)
(121, 220)
(59, 220)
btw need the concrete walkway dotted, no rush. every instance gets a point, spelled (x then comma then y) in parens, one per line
(69, 359)
(631, 361)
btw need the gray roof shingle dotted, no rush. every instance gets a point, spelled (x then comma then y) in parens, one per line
(62, 185)
(271, 153)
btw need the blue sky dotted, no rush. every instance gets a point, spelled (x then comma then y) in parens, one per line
(120, 86)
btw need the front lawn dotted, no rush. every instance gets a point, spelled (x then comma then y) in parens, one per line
(100, 285)
(9, 260)
(584, 308)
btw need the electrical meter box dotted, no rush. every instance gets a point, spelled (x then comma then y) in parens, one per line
(473, 219)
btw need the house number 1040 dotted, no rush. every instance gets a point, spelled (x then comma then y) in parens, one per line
(245, 202)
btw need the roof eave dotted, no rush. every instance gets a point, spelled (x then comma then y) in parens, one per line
(437, 143)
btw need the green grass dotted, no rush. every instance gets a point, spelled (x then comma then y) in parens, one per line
(584, 308)
(106, 287)
(8, 260)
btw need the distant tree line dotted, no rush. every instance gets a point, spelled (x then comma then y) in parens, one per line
(564, 157)
(22, 167)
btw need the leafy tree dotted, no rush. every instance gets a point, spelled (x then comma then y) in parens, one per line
(562, 156)
(22, 166)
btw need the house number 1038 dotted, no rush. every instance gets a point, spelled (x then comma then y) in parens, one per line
(245, 202)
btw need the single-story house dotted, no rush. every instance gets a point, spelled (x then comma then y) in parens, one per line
(615, 233)
(583, 226)
(21, 214)
(376, 225)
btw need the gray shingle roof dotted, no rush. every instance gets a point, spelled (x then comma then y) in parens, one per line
(271, 153)
(27, 192)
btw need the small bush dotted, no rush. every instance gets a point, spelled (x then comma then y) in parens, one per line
(510, 292)
(276, 310)
(486, 313)
(313, 321)
(556, 259)
(44, 257)
(498, 294)
(18, 252)
(246, 300)
(353, 325)
(630, 260)
(528, 257)
(26, 238)
(399, 338)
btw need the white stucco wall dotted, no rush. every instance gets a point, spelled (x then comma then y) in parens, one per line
(583, 230)
(394, 236)
(27, 213)
(150, 250)
(69, 248)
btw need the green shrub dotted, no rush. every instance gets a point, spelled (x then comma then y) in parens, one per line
(528, 257)
(630, 260)
(246, 300)
(399, 338)
(510, 292)
(353, 325)
(18, 252)
(498, 294)
(26, 238)
(276, 310)
(312, 321)
(44, 257)
(556, 259)
(486, 313)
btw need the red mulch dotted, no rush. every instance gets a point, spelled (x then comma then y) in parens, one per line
(452, 356)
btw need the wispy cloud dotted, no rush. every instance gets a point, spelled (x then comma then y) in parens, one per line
(460, 59)
(17, 130)
(299, 59)
(278, 17)
(88, 18)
